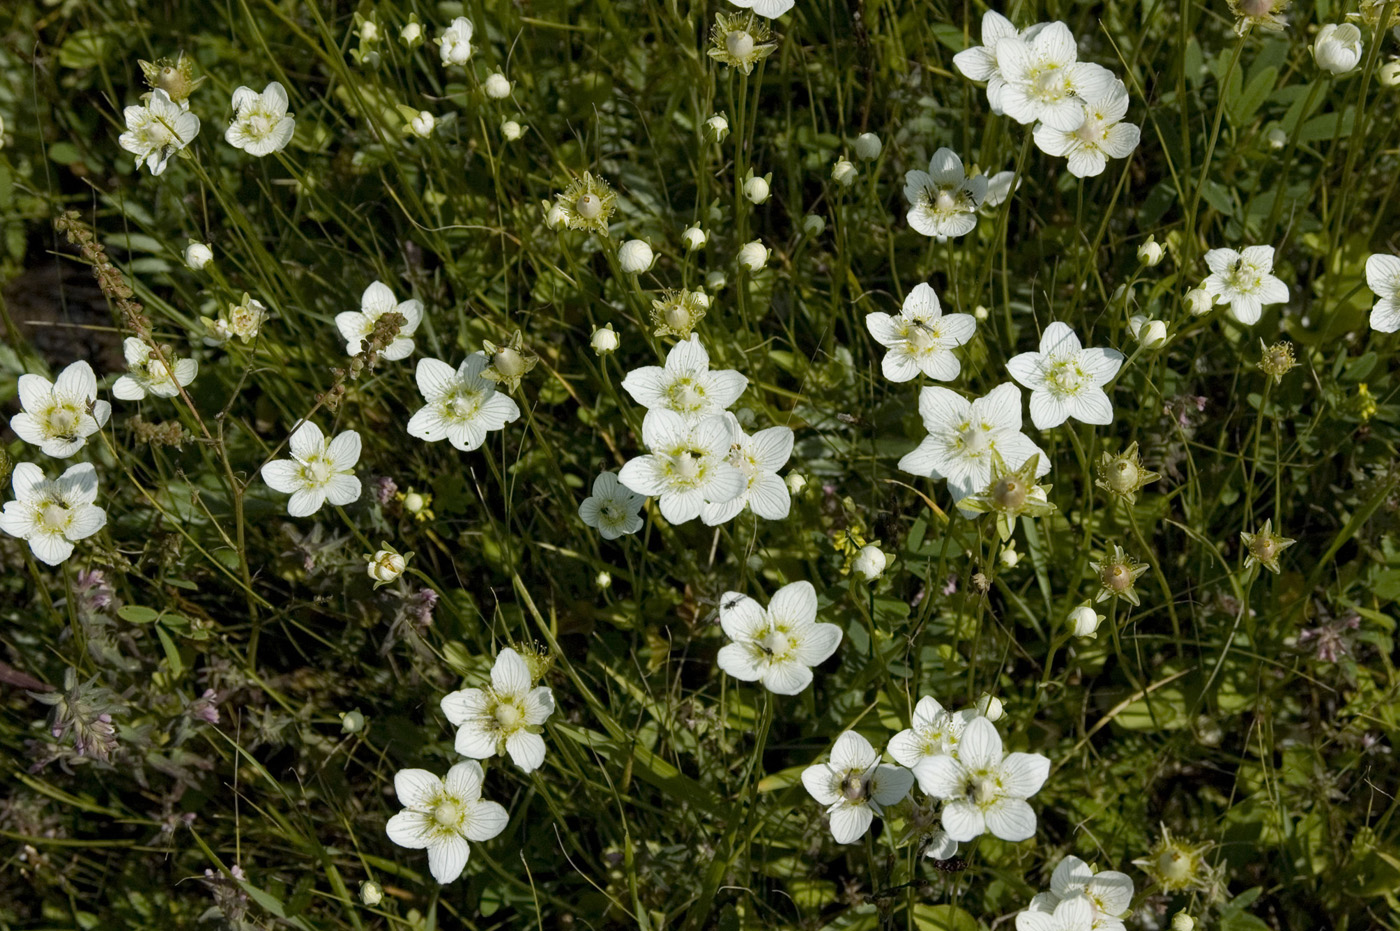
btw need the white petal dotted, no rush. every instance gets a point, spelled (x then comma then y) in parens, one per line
(1010, 819)
(417, 788)
(1001, 407)
(305, 501)
(411, 829)
(484, 821)
(741, 617)
(817, 643)
(435, 378)
(890, 784)
(282, 475)
(940, 776)
(344, 451)
(463, 781)
(740, 660)
(76, 383)
(786, 678)
(962, 820)
(510, 675)
(463, 705)
(979, 747)
(850, 822)
(50, 548)
(526, 750)
(342, 490)
(852, 751)
(1022, 774)
(795, 603)
(307, 441)
(447, 857)
(821, 783)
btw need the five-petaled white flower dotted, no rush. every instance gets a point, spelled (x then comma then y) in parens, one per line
(261, 124)
(158, 130)
(1066, 380)
(979, 63)
(59, 416)
(455, 43)
(984, 789)
(780, 645)
(147, 374)
(688, 465)
(319, 471)
(685, 385)
(1244, 280)
(357, 325)
(612, 508)
(943, 201)
(758, 457)
(1101, 134)
(1073, 914)
(462, 406)
(965, 436)
(855, 786)
(770, 9)
(934, 731)
(1044, 79)
(53, 515)
(1383, 276)
(506, 717)
(920, 338)
(1110, 893)
(442, 815)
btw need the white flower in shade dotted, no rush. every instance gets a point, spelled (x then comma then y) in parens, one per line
(1244, 280)
(869, 563)
(979, 63)
(685, 385)
(753, 255)
(868, 146)
(497, 86)
(319, 470)
(943, 201)
(999, 188)
(770, 9)
(261, 124)
(157, 131)
(780, 645)
(53, 515)
(1073, 914)
(933, 731)
(1338, 48)
(1044, 79)
(1110, 893)
(939, 846)
(198, 255)
(462, 404)
(1066, 380)
(635, 256)
(1383, 276)
(984, 789)
(59, 416)
(612, 508)
(1100, 135)
(442, 815)
(506, 717)
(378, 300)
(920, 338)
(694, 237)
(688, 466)
(965, 436)
(855, 786)
(146, 374)
(758, 458)
(455, 43)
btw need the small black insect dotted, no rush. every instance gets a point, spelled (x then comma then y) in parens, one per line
(732, 603)
(952, 865)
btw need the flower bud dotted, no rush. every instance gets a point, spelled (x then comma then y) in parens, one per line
(604, 340)
(1199, 301)
(496, 86)
(413, 502)
(869, 563)
(980, 313)
(717, 127)
(512, 130)
(1084, 621)
(868, 146)
(386, 565)
(423, 124)
(715, 281)
(1151, 252)
(1338, 48)
(1152, 334)
(635, 256)
(1183, 922)
(694, 237)
(555, 218)
(411, 34)
(795, 482)
(1390, 74)
(989, 707)
(843, 173)
(739, 44)
(352, 722)
(1008, 557)
(1276, 138)
(753, 255)
(198, 255)
(756, 189)
(813, 224)
(371, 893)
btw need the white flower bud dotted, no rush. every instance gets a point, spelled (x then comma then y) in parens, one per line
(739, 44)
(1276, 138)
(843, 173)
(989, 707)
(868, 146)
(718, 127)
(604, 579)
(635, 256)
(198, 255)
(1183, 922)
(701, 298)
(795, 482)
(556, 217)
(753, 255)
(1009, 557)
(1151, 252)
(1390, 74)
(980, 313)
(1338, 48)
(369, 31)
(1084, 622)
(604, 340)
(756, 189)
(512, 130)
(371, 893)
(813, 224)
(411, 35)
(1153, 334)
(423, 124)
(1199, 301)
(455, 43)
(385, 566)
(352, 722)
(715, 281)
(496, 86)
(869, 563)
(694, 237)
(413, 502)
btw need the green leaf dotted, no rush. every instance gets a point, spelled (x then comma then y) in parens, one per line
(172, 653)
(1241, 108)
(943, 918)
(83, 49)
(137, 614)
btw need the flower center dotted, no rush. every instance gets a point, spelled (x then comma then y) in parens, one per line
(54, 517)
(983, 789)
(63, 421)
(447, 813)
(319, 470)
(1090, 131)
(853, 786)
(946, 200)
(776, 644)
(464, 407)
(589, 206)
(156, 370)
(1049, 84)
(1065, 377)
(686, 468)
(259, 125)
(922, 338)
(976, 440)
(687, 396)
(509, 716)
(739, 43)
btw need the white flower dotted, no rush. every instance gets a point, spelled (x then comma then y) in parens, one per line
(1084, 621)
(456, 42)
(511, 130)
(1066, 380)
(497, 86)
(157, 131)
(146, 374)
(261, 124)
(999, 188)
(319, 471)
(1151, 252)
(1152, 334)
(688, 466)
(442, 815)
(1389, 74)
(59, 416)
(411, 34)
(1244, 281)
(1338, 48)
(939, 846)
(869, 563)
(686, 385)
(694, 237)
(770, 9)
(1044, 81)
(506, 717)
(990, 707)
(843, 172)
(933, 731)
(943, 201)
(462, 405)
(198, 255)
(53, 515)
(1110, 893)
(868, 146)
(1073, 914)
(979, 63)
(378, 300)
(984, 789)
(855, 786)
(635, 256)
(386, 566)
(612, 508)
(1383, 276)
(758, 458)
(920, 338)
(423, 124)
(717, 126)
(1099, 135)
(964, 436)
(776, 647)
(756, 189)
(753, 255)
(604, 339)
